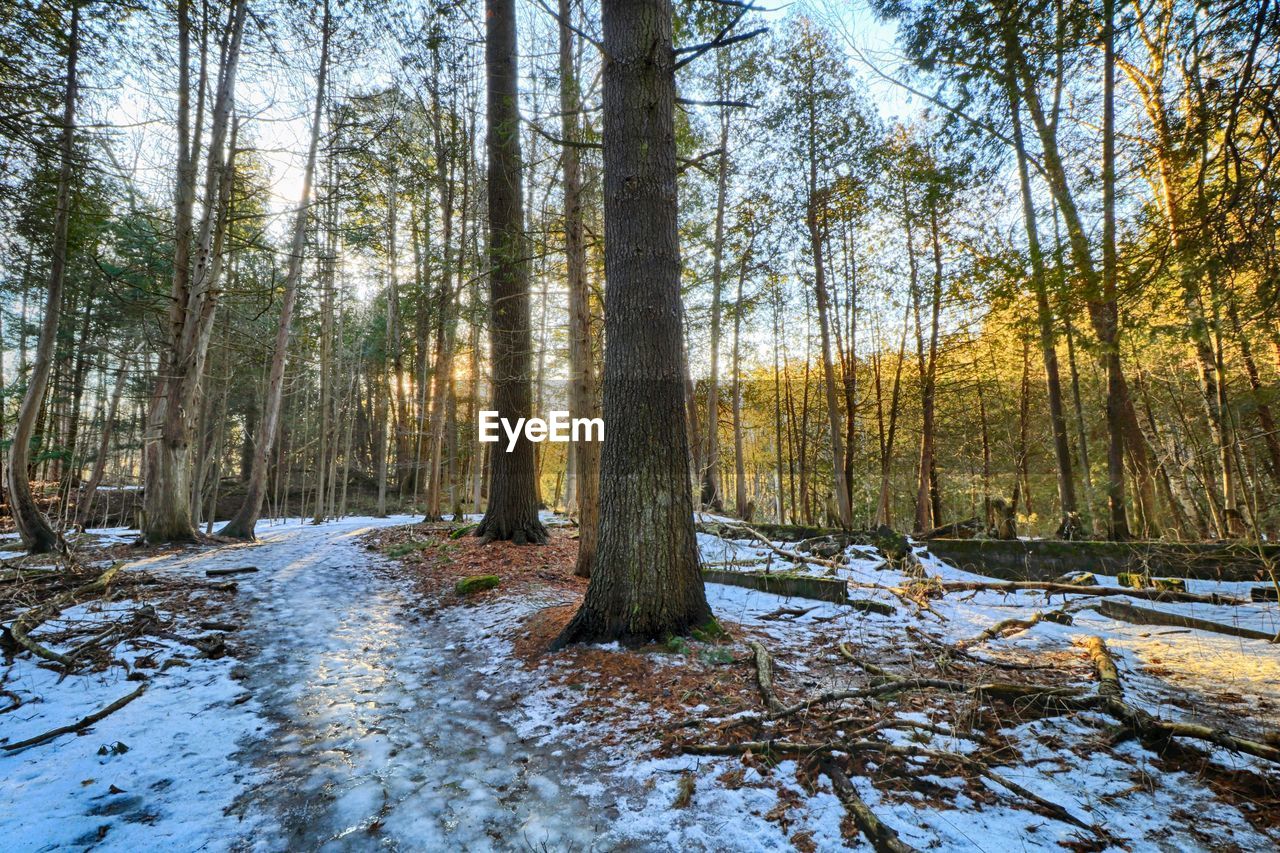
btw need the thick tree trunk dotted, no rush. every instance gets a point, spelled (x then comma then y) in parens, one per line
(646, 584)
(37, 535)
(167, 468)
(242, 524)
(512, 513)
(582, 379)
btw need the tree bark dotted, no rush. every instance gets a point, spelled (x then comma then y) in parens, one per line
(37, 534)
(512, 513)
(646, 584)
(582, 379)
(194, 297)
(245, 520)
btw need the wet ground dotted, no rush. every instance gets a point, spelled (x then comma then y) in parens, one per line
(388, 725)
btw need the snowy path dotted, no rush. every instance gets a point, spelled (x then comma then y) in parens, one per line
(353, 720)
(379, 733)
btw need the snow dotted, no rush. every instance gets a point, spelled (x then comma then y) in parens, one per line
(359, 716)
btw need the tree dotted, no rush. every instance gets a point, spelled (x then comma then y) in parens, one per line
(37, 534)
(582, 379)
(512, 513)
(646, 583)
(194, 295)
(246, 519)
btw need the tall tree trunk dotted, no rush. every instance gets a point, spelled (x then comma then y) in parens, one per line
(1100, 290)
(244, 521)
(646, 584)
(89, 489)
(37, 535)
(927, 499)
(814, 217)
(884, 509)
(512, 513)
(582, 378)
(166, 497)
(739, 462)
(328, 274)
(1044, 320)
(711, 493)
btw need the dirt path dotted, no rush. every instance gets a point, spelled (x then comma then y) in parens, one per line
(385, 726)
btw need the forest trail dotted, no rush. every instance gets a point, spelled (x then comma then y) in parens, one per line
(385, 727)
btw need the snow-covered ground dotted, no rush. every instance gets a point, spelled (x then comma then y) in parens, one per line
(358, 717)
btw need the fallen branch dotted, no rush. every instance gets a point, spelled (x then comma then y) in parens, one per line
(764, 676)
(1150, 616)
(37, 616)
(1075, 589)
(881, 836)
(897, 592)
(81, 725)
(783, 747)
(999, 629)
(217, 573)
(1105, 665)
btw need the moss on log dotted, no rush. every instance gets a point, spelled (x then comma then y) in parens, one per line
(476, 583)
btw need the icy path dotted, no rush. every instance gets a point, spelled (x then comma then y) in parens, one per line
(379, 732)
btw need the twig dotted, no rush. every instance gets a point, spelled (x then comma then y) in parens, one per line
(36, 616)
(77, 726)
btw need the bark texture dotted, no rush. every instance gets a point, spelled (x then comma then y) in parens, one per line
(37, 535)
(646, 584)
(512, 513)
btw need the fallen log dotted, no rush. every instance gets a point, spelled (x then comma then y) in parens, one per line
(78, 726)
(881, 836)
(1071, 589)
(1264, 593)
(1150, 616)
(217, 573)
(764, 676)
(1105, 665)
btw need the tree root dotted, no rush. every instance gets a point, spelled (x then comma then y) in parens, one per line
(79, 725)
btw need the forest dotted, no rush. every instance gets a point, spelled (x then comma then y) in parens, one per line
(934, 349)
